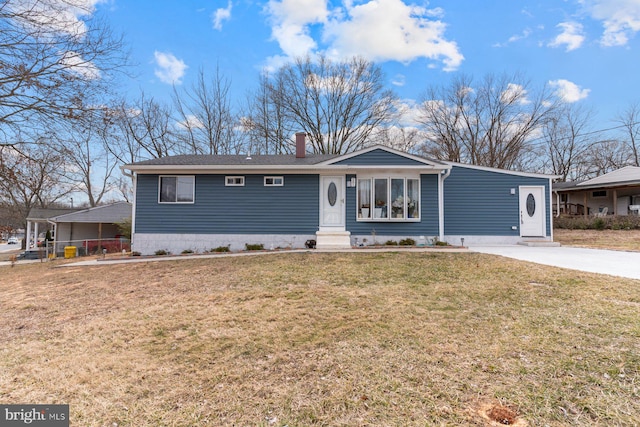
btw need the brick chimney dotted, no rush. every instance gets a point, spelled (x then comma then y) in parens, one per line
(300, 145)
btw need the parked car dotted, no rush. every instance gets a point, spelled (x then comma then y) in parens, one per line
(13, 241)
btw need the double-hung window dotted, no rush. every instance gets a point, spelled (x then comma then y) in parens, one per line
(388, 199)
(177, 189)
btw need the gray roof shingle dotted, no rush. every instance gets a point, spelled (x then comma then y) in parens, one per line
(236, 160)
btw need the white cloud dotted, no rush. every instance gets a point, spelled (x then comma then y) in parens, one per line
(571, 36)
(77, 65)
(383, 30)
(514, 93)
(398, 80)
(378, 30)
(568, 91)
(620, 18)
(516, 37)
(190, 122)
(290, 21)
(61, 16)
(170, 69)
(221, 15)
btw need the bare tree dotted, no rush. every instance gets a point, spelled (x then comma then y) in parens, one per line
(52, 63)
(490, 124)
(566, 140)
(338, 104)
(630, 121)
(206, 121)
(605, 156)
(268, 130)
(30, 179)
(145, 129)
(403, 138)
(89, 166)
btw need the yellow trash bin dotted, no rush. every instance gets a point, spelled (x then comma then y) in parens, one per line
(69, 252)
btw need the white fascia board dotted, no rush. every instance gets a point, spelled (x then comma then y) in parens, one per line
(387, 149)
(503, 171)
(314, 169)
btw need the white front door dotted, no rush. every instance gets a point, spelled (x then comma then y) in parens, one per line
(332, 202)
(532, 211)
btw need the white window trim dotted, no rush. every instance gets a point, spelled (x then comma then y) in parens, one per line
(274, 178)
(193, 190)
(372, 189)
(234, 177)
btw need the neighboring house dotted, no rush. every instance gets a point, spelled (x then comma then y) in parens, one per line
(200, 202)
(614, 193)
(83, 227)
(40, 217)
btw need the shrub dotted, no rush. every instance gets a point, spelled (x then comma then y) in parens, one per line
(254, 247)
(135, 253)
(407, 242)
(441, 243)
(187, 251)
(220, 249)
(161, 252)
(597, 223)
(391, 243)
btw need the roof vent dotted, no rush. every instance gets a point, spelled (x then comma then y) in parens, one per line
(248, 156)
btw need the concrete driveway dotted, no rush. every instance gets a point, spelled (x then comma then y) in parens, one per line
(614, 263)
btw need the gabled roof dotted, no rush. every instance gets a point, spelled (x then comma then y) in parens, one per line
(502, 171)
(43, 214)
(235, 160)
(349, 158)
(626, 176)
(311, 162)
(107, 214)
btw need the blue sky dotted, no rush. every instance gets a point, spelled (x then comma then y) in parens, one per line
(586, 50)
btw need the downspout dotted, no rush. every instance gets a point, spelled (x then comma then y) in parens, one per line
(557, 204)
(134, 179)
(441, 178)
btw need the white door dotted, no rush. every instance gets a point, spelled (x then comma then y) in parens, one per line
(532, 212)
(332, 201)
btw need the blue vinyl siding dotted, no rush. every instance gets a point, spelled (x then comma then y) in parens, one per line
(254, 208)
(428, 224)
(379, 158)
(478, 202)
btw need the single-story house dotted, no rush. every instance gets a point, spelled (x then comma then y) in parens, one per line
(40, 217)
(614, 193)
(199, 202)
(85, 228)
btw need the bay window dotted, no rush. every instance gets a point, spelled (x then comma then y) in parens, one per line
(388, 199)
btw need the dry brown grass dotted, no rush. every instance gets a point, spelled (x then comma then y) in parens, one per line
(626, 240)
(385, 339)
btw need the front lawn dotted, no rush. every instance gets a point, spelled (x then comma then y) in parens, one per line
(380, 339)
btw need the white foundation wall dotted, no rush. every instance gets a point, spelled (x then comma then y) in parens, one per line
(149, 243)
(491, 240)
